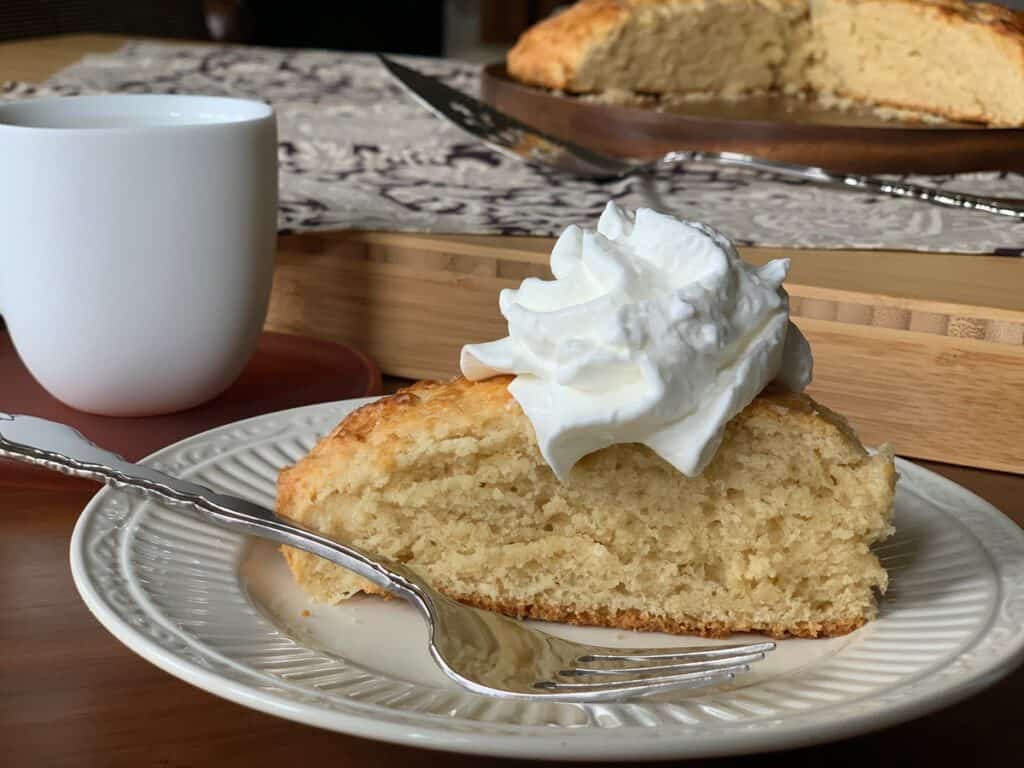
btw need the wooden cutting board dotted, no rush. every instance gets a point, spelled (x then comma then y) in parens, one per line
(286, 371)
(923, 350)
(773, 127)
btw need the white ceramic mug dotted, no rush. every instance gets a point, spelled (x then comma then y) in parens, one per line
(137, 239)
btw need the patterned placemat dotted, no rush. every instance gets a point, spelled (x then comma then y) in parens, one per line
(358, 153)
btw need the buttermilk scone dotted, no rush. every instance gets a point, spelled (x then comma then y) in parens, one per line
(948, 58)
(773, 536)
(636, 453)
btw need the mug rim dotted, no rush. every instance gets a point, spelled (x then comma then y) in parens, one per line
(246, 111)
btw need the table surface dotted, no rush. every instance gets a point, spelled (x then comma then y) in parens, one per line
(73, 695)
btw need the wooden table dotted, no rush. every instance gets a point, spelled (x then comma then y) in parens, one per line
(72, 695)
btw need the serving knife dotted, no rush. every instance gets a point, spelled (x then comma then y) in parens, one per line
(516, 139)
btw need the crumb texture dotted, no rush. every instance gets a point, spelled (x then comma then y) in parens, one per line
(774, 536)
(939, 58)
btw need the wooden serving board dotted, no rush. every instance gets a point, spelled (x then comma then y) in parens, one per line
(922, 350)
(772, 127)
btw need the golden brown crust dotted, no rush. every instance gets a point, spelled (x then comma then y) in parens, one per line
(411, 407)
(549, 53)
(385, 423)
(425, 399)
(644, 622)
(919, 112)
(632, 620)
(1000, 19)
(451, 407)
(448, 407)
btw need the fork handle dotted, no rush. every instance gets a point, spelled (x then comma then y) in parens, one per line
(60, 448)
(870, 184)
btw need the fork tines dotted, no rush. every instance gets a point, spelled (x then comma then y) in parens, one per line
(617, 674)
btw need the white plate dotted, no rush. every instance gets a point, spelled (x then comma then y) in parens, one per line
(221, 612)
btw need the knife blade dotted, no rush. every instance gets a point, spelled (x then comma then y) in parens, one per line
(497, 130)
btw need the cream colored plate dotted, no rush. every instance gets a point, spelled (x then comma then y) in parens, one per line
(222, 613)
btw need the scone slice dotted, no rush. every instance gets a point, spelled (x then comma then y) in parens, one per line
(774, 536)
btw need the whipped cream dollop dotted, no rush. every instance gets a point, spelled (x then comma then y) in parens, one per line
(653, 331)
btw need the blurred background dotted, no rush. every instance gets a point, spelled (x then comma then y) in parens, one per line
(477, 30)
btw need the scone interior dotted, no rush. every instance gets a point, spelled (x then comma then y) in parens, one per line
(730, 47)
(965, 62)
(774, 536)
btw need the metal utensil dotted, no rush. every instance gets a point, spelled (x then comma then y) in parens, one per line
(515, 139)
(485, 652)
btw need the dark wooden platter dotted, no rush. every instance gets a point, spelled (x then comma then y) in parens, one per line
(772, 127)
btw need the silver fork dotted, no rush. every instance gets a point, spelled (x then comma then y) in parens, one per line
(518, 140)
(485, 652)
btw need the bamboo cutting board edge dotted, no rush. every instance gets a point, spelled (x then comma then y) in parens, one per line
(436, 268)
(933, 397)
(993, 282)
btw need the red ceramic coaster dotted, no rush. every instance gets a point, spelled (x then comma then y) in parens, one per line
(284, 372)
